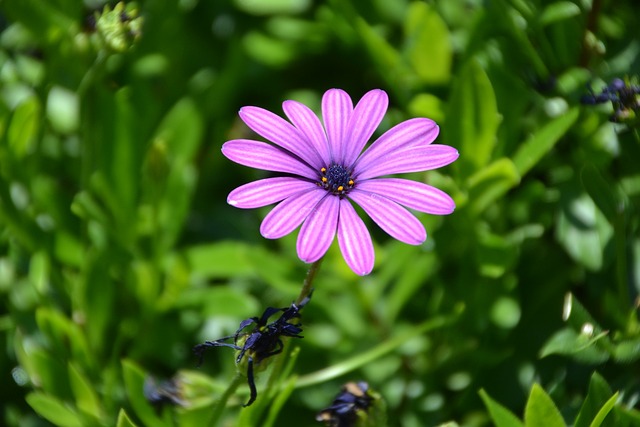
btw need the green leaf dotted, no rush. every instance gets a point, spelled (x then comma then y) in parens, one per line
(540, 410)
(490, 183)
(124, 420)
(221, 259)
(359, 360)
(559, 11)
(86, 398)
(627, 351)
(65, 336)
(385, 56)
(134, 384)
(604, 411)
(500, 415)
(220, 301)
(583, 230)
(540, 143)
(429, 45)
(417, 268)
(472, 119)
(269, 7)
(599, 393)
(24, 127)
(602, 193)
(54, 410)
(582, 347)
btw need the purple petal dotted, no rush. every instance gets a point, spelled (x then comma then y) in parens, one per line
(309, 125)
(354, 240)
(277, 130)
(414, 158)
(318, 230)
(414, 195)
(336, 112)
(267, 191)
(365, 119)
(398, 222)
(261, 155)
(414, 131)
(290, 213)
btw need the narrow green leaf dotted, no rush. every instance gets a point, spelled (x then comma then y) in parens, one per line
(429, 45)
(490, 183)
(384, 55)
(221, 259)
(278, 402)
(472, 118)
(124, 420)
(273, 7)
(580, 346)
(376, 352)
(54, 410)
(500, 415)
(24, 126)
(86, 398)
(540, 410)
(559, 11)
(134, 384)
(540, 143)
(181, 131)
(627, 351)
(602, 193)
(65, 336)
(604, 411)
(418, 268)
(599, 393)
(583, 230)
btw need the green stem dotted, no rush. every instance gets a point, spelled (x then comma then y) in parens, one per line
(378, 351)
(222, 402)
(307, 285)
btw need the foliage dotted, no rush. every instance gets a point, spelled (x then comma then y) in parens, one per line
(118, 252)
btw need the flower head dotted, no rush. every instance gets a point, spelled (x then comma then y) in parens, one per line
(324, 170)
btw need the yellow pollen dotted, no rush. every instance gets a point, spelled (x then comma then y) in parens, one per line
(350, 182)
(324, 179)
(323, 170)
(340, 188)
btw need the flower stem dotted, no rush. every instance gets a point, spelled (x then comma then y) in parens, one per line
(222, 402)
(307, 285)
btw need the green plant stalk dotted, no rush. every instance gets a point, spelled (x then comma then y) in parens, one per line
(307, 285)
(376, 352)
(219, 406)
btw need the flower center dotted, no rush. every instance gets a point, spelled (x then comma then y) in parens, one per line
(336, 179)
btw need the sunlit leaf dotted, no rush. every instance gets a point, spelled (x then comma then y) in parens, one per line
(429, 49)
(599, 393)
(24, 126)
(602, 193)
(134, 383)
(540, 143)
(87, 399)
(500, 415)
(472, 119)
(541, 411)
(54, 410)
(559, 11)
(124, 420)
(582, 346)
(490, 183)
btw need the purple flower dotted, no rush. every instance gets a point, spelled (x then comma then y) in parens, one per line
(324, 171)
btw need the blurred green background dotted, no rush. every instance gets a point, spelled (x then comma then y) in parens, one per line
(118, 252)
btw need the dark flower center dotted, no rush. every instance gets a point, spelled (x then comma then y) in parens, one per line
(336, 179)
